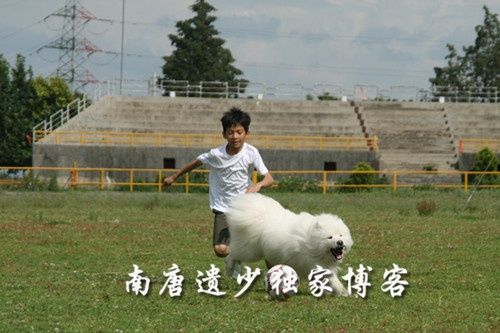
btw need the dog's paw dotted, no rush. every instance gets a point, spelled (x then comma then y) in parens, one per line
(343, 293)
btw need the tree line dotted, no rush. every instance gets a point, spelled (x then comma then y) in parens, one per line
(24, 102)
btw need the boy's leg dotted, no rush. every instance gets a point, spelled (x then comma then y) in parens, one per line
(221, 240)
(220, 235)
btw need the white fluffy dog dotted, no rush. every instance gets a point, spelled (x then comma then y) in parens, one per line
(261, 228)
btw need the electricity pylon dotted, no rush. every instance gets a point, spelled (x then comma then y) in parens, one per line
(73, 48)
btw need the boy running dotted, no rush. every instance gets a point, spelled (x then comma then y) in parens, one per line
(231, 167)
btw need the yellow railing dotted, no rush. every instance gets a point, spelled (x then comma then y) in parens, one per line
(205, 140)
(130, 179)
(474, 145)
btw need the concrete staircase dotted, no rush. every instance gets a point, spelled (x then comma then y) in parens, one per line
(411, 136)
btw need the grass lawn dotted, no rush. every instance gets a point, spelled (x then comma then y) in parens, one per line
(65, 258)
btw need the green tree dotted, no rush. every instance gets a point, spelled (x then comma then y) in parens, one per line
(484, 55)
(16, 150)
(453, 74)
(479, 66)
(199, 54)
(4, 106)
(24, 102)
(52, 94)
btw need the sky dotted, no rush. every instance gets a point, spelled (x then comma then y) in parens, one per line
(380, 43)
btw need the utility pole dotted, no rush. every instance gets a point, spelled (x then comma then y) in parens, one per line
(121, 52)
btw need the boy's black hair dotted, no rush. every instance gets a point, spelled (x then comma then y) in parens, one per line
(235, 117)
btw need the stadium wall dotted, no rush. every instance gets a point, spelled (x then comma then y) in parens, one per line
(52, 155)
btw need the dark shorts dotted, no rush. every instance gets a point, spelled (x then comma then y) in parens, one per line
(221, 229)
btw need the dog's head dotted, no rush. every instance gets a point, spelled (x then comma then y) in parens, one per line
(333, 236)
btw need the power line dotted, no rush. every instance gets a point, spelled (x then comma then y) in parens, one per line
(20, 30)
(299, 34)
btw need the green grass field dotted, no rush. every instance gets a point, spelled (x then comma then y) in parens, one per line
(65, 258)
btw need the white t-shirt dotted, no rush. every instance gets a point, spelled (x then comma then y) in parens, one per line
(230, 175)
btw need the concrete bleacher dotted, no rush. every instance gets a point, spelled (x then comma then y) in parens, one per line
(474, 120)
(131, 132)
(200, 115)
(411, 135)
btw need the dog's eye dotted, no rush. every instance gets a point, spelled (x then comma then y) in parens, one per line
(330, 237)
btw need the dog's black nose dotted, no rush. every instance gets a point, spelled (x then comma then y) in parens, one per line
(340, 243)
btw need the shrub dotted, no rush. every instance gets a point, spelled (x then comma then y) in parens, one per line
(198, 178)
(430, 167)
(426, 207)
(297, 184)
(32, 182)
(485, 160)
(327, 97)
(53, 186)
(361, 178)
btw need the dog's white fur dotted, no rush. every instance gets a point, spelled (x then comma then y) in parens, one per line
(261, 228)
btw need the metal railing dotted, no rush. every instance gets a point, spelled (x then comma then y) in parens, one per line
(59, 118)
(132, 179)
(205, 140)
(294, 91)
(452, 94)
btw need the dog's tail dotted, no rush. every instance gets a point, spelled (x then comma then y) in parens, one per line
(250, 208)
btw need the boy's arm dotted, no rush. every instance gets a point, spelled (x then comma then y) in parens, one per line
(190, 166)
(265, 182)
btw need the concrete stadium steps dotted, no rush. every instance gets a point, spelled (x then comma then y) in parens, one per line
(477, 132)
(202, 115)
(303, 118)
(222, 105)
(416, 141)
(474, 121)
(410, 136)
(199, 128)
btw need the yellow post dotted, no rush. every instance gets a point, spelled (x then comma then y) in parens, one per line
(254, 176)
(131, 184)
(160, 181)
(101, 179)
(324, 182)
(187, 182)
(394, 181)
(74, 176)
(466, 181)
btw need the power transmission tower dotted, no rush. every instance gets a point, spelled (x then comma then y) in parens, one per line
(73, 48)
